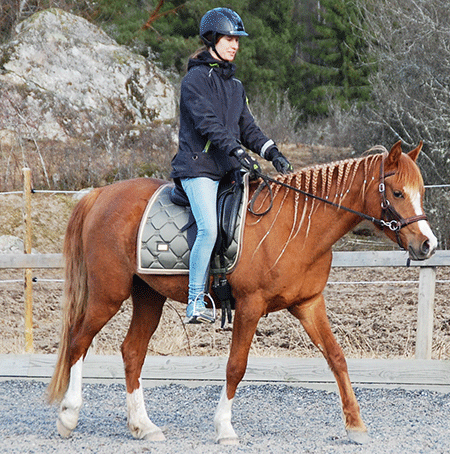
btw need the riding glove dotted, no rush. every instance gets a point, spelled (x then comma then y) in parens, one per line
(247, 162)
(281, 164)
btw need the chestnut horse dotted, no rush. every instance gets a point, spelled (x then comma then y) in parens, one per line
(285, 263)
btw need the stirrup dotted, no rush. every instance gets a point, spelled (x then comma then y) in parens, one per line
(204, 315)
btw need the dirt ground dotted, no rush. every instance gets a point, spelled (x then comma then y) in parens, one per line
(369, 320)
(376, 320)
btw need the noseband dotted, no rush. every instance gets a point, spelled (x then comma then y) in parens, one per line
(390, 217)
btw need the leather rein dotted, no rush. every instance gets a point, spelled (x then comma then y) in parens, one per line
(390, 217)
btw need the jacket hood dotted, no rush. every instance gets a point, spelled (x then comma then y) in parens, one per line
(226, 69)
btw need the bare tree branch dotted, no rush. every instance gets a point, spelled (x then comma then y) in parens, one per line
(155, 15)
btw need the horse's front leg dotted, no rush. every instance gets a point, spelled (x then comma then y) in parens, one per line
(312, 315)
(70, 406)
(244, 327)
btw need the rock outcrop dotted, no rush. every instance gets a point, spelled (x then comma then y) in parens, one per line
(62, 77)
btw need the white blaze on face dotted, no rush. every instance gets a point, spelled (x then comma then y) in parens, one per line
(424, 227)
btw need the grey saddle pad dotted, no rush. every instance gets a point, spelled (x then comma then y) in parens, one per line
(162, 248)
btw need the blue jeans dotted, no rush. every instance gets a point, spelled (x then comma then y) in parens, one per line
(202, 194)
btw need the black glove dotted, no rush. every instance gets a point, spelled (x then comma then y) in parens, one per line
(247, 162)
(281, 164)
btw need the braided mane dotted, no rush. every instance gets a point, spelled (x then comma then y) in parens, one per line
(331, 181)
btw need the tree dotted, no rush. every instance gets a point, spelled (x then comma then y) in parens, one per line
(411, 95)
(333, 65)
(263, 61)
(411, 90)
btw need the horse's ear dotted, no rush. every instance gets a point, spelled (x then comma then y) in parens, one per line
(414, 153)
(395, 153)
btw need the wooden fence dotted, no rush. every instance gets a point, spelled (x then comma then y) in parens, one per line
(427, 283)
(199, 370)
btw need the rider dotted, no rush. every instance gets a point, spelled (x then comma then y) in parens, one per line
(215, 124)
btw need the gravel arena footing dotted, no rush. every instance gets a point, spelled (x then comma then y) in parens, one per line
(268, 419)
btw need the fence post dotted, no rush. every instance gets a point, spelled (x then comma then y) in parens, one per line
(28, 290)
(425, 312)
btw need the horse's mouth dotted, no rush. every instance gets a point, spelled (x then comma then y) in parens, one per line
(423, 253)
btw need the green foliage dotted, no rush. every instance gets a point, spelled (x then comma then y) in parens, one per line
(334, 65)
(331, 67)
(263, 61)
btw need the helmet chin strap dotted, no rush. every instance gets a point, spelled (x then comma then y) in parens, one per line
(217, 53)
(213, 47)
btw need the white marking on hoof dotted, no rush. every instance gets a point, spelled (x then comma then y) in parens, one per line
(228, 441)
(222, 421)
(357, 436)
(69, 409)
(157, 435)
(139, 423)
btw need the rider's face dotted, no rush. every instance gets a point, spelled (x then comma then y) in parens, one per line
(227, 46)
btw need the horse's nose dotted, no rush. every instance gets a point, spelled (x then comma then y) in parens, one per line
(426, 249)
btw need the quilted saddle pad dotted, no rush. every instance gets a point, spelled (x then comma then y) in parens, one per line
(162, 246)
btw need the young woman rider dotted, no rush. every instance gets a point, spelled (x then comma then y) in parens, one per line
(215, 125)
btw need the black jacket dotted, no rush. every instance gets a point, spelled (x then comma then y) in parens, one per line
(214, 120)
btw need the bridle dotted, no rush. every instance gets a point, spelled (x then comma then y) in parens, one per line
(390, 217)
(394, 220)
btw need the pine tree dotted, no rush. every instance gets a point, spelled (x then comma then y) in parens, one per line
(334, 65)
(264, 58)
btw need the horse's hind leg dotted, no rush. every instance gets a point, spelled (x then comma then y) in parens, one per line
(313, 317)
(147, 309)
(99, 312)
(70, 406)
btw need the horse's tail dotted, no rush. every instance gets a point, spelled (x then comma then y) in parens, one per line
(75, 294)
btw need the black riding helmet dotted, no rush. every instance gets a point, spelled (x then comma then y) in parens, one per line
(218, 22)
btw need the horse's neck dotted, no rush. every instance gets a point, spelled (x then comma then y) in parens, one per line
(314, 221)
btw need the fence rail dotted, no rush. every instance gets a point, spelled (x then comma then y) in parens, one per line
(201, 370)
(357, 259)
(341, 259)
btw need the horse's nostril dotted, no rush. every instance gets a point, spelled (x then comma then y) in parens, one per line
(425, 249)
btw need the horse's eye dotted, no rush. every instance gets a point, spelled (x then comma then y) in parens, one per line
(398, 194)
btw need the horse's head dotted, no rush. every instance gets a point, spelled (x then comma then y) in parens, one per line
(401, 189)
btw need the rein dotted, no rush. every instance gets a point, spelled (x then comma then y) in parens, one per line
(390, 217)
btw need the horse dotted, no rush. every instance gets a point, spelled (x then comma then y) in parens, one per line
(285, 262)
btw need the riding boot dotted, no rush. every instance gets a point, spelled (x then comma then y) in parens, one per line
(197, 312)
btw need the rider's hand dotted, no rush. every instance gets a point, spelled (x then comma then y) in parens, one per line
(281, 164)
(247, 162)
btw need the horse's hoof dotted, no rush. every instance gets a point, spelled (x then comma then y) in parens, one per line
(156, 435)
(63, 430)
(228, 441)
(357, 436)
(150, 432)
